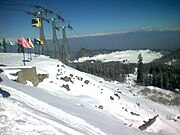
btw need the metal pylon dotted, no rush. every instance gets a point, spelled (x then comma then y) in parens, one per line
(55, 39)
(65, 55)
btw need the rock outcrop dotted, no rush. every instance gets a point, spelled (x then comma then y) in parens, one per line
(30, 74)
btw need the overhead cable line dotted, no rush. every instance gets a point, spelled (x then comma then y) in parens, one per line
(19, 10)
(11, 3)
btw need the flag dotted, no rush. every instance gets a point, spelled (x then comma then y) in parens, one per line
(12, 43)
(41, 41)
(19, 42)
(1, 46)
(36, 42)
(25, 43)
(30, 43)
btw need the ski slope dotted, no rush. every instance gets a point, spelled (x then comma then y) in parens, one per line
(92, 106)
(127, 56)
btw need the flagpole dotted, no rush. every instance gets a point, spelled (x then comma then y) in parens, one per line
(35, 51)
(24, 57)
(37, 44)
(30, 54)
(11, 48)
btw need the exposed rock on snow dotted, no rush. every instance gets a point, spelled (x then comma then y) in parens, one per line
(4, 94)
(86, 81)
(67, 79)
(100, 107)
(66, 86)
(148, 123)
(41, 77)
(1, 71)
(111, 98)
(135, 114)
(30, 74)
(1, 80)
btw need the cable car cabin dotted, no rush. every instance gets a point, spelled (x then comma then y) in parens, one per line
(36, 22)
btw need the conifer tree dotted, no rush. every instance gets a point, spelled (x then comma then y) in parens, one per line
(4, 45)
(140, 78)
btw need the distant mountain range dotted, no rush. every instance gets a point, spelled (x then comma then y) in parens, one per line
(152, 39)
(132, 40)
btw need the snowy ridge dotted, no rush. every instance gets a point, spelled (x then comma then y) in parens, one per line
(128, 56)
(90, 106)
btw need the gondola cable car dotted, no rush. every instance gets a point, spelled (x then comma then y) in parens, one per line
(36, 22)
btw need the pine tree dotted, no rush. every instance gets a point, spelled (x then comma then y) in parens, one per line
(140, 78)
(4, 45)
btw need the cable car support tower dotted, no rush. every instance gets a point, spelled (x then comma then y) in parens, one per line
(55, 39)
(65, 54)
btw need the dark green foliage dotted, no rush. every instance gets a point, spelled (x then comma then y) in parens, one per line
(109, 71)
(140, 77)
(162, 75)
(4, 45)
(174, 55)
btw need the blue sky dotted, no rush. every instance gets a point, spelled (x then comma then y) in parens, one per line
(91, 16)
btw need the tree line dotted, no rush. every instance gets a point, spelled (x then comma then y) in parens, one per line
(109, 70)
(161, 75)
(151, 74)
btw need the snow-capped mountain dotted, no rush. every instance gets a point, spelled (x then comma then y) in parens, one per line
(127, 56)
(68, 102)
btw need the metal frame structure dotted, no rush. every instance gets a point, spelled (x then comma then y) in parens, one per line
(65, 53)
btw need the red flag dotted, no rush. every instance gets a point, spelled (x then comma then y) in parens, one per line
(19, 42)
(25, 43)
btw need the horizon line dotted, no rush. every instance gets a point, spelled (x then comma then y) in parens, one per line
(106, 33)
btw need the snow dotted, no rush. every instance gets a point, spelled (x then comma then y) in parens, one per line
(171, 62)
(50, 109)
(127, 56)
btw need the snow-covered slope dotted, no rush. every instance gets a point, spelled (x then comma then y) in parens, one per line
(128, 56)
(80, 104)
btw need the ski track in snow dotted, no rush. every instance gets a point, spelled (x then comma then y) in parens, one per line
(74, 125)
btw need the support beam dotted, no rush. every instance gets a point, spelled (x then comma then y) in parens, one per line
(65, 54)
(55, 39)
(65, 48)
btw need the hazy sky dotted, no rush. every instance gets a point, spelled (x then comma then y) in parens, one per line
(90, 16)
